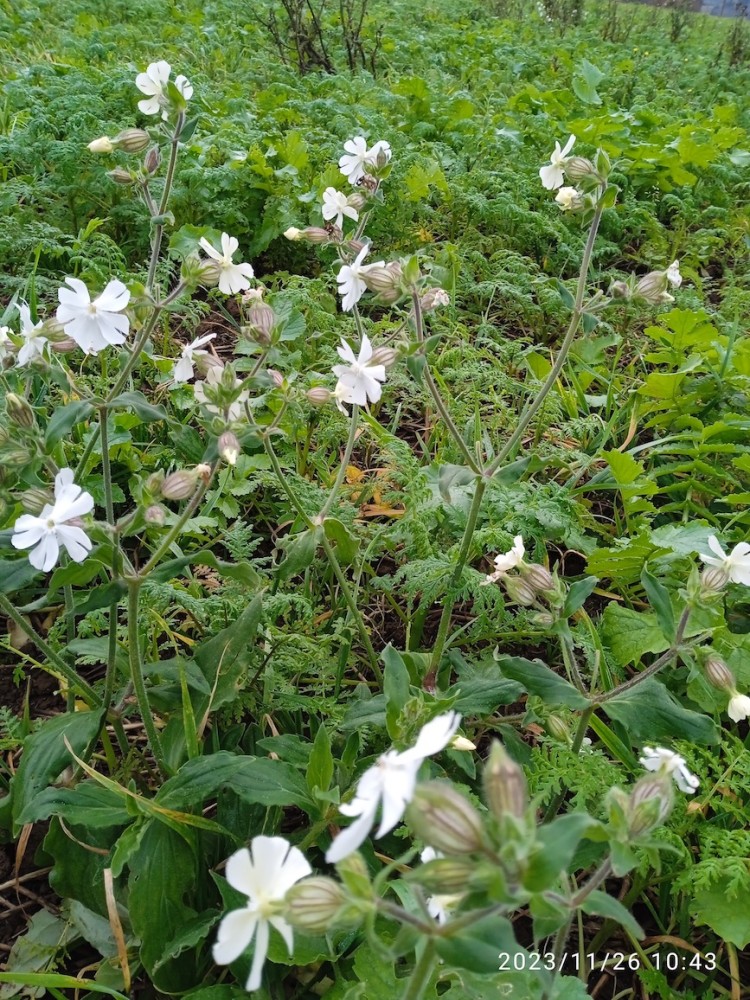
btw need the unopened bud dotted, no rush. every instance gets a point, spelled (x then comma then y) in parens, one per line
(384, 281)
(120, 176)
(155, 515)
(293, 233)
(313, 903)
(19, 411)
(434, 298)
(356, 246)
(355, 875)
(318, 395)
(652, 287)
(260, 322)
(557, 729)
(356, 201)
(445, 820)
(131, 140)
(384, 356)
(204, 363)
(538, 577)
(714, 579)
(208, 273)
(229, 447)
(650, 804)
(276, 377)
(63, 346)
(35, 499)
(101, 145)
(317, 235)
(444, 875)
(620, 290)
(178, 485)
(519, 591)
(718, 673)
(152, 160)
(505, 789)
(543, 619)
(578, 168)
(461, 743)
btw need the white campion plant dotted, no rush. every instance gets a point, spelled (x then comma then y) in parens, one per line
(358, 379)
(357, 157)
(56, 525)
(233, 277)
(34, 342)
(349, 278)
(553, 173)
(664, 761)
(336, 206)
(153, 83)
(184, 368)
(98, 324)
(389, 784)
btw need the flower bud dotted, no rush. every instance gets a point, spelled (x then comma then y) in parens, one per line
(260, 322)
(205, 362)
(718, 673)
(620, 290)
(276, 377)
(313, 903)
(543, 619)
(317, 235)
(383, 280)
(293, 233)
(318, 395)
(101, 145)
(229, 447)
(19, 411)
(152, 160)
(120, 176)
(433, 298)
(131, 140)
(444, 875)
(356, 201)
(384, 356)
(35, 499)
(557, 729)
(505, 789)
(519, 591)
(650, 804)
(462, 744)
(569, 199)
(578, 168)
(445, 820)
(538, 577)
(355, 246)
(738, 707)
(155, 515)
(355, 876)
(63, 346)
(208, 273)
(713, 580)
(179, 485)
(652, 287)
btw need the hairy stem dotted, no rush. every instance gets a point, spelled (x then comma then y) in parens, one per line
(137, 679)
(422, 972)
(343, 465)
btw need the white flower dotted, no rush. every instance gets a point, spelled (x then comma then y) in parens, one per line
(264, 877)
(52, 527)
(360, 378)
(351, 285)
(668, 762)
(183, 370)
(739, 707)
(101, 145)
(352, 166)
(736, 564)
(390, 783)
(93, 325)
(233, 277)
(34, 341)
(5, 342)
(336, 206)
(153, 83)
(507, 561)
(568, 198)
(552, 174)
(439, 906)
(673, 274)
(213, 379)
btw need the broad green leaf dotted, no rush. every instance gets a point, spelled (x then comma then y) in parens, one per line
(138, 403)
(395, 688)
(724, 910)
(658, 596)
(64, 418)
(600, 904)
(539, 679)
(38, 948)
(585, 82)
(300, 552)
(16, 574)
(477, 947)
(345, 543)
(240, 571)
(223, 658)
(650, 713)
(555, 847)
(45, 755)
(577, 594)
(52, 980)
(193, 933)
(88, 805)
(629, 634)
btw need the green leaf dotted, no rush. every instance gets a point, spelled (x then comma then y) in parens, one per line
(577, 594)
(658, 595)
(38, 948)
(477, 947)
(88, 805)
(585, 81)
(345, 542)
(599, 904)
(64, 419)
(138, 403)
(395, 688)
(537, 678)
(555, 846)
(51, 980)
(223, 658)
(299, 552)
(193, 933)
(241, 571)
(649, 712)
(724, 910)
(629, 634)
(320, 766)
(45, 756)
(16, 574)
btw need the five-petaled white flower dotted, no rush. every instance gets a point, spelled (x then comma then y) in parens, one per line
(358, 157)
(34, 342)
(265, 877)
(507, 561)
(390, 782)
(358, 377)
(213, 380)
(668, 762)
(183, 370)
(673, 274)
(351, 285)
(153, 84)
(736, 564)
(232, 277)
(553, 173)
(568, 198)
(738, 707)
(53, 526)
(439, 906)
(336, 206)
(93, 325)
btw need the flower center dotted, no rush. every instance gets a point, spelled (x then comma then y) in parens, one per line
(51, 523)
(92, 308)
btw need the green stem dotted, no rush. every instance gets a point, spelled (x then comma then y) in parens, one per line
(430, 678)
(168, 181)
(435, 392)
(583, 725)
(136, 676)
(83, 687)
(422, 973)
(343, 465)
(176, 528)
(601, 873)
(109, 506)
(532, 409)
(354, 610)
(279, 472)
